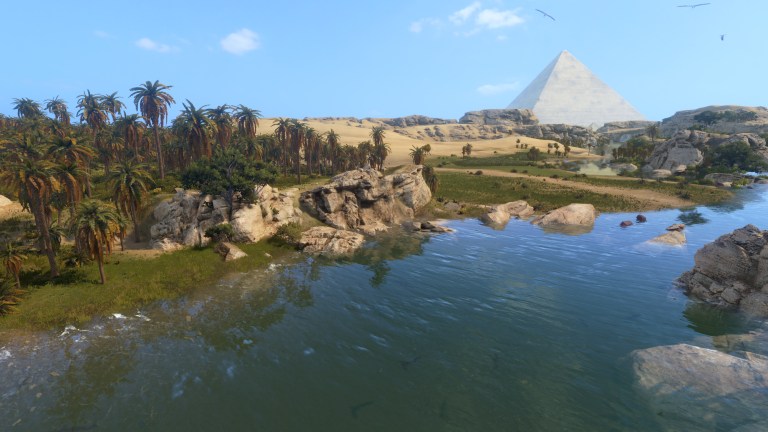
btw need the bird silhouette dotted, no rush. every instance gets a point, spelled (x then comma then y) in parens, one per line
(694, 6)
(722, 37)
(546, 14)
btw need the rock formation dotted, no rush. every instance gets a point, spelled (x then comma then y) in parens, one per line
(4, 201)
(692, 388)
(367, 201)
(572, 214)
(416, 120)
(672, 238)
(500, 117)
(687, 148)
(732, 271)
(500, 214)
(756, 123)
(330, 241)
(229, 252)
(182, 221)
(426, 227)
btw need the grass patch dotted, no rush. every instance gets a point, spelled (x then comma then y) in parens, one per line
(542, 195)
(696, 193)
(132, 281)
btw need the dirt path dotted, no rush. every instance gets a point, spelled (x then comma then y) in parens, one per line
(651, 200)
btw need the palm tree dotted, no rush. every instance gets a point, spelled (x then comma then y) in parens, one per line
(96, 225)
(9, 297)
(298, 136)
(334, 140)
(152, 100)
(311, 147)
(222, 118)
(653, 132)
(417, 154)
(92, 112)
(27, 108)
(198, 124)
(129, 187)
(58, 108)
(71, 178)
(283, 134)
(247, 120)
(34, 183)
(380, 150)
(132, 129)
(112, 105)
(430, 177)
(13, 259)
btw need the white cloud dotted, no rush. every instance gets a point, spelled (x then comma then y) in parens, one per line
(150, 45)
(461, 16)
(494, 19)
(240, 42)
(420, 25)
(494, 89)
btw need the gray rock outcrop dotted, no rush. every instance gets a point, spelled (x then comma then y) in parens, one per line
(505, 117)
(732, 271)
(572, 214)
(416, 120)
(692, 388)
(684, 148)
(330, 241)
(367, 201)
(182, 221)
(758, 124)
(500, 214)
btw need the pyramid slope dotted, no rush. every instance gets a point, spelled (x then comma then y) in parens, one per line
(567, 92)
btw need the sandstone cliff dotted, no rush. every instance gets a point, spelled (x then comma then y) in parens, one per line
(732, 120)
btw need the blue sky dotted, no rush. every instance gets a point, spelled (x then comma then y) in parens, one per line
(383, 59)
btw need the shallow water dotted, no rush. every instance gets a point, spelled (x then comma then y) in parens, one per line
(518, 329)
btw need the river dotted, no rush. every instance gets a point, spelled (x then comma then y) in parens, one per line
(481, 330)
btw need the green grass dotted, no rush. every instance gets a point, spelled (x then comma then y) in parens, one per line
(132, 282)
(543, 196)
(696, 193)
(517, 161)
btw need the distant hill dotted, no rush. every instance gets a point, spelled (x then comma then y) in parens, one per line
(728, 119)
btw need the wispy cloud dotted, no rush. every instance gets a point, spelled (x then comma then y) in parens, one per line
(494, 19)
(420, 25)
(494, 89)
(150, 45)
(472, 20)
(240, 42)
(461, 16)
(101, 34)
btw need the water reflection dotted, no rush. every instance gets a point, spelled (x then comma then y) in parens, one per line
(692, 217)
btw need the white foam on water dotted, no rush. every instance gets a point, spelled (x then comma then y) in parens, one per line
(118, 316)
(231, 371)
(309, 351)
(5, 355)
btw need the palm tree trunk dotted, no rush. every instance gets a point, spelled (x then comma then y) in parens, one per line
(100, 260)
(135, 224)
(36, 207)
(160, 165)
(18, 282)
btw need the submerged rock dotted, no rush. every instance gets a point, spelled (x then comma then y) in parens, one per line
(368, 201)
(330, 241)
(501, 214)
(694, 388)
(572, 214)
(626, 223)
(732, 271)
(672, 238)
(426, 226)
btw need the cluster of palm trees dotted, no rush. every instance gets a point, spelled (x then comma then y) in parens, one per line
(52, 164)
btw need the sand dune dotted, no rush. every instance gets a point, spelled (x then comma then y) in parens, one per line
(353, 132)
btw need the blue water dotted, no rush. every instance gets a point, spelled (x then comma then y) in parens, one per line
(482, 330)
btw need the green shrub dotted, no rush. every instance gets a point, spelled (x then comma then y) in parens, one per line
(220, 233)
(288, 234)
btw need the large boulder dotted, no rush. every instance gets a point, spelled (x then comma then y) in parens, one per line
(732, 271)
(692, 388)
(4, 201)
(500, 214)
(684, 148)
(367, 201)
(229, 252)
(330, 241)
(671, 238)
(572, 214)
(182, 221)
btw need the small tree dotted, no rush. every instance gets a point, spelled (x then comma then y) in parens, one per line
(229, 174)
(13, 259)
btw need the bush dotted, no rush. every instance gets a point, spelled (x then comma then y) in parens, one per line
(479, 172)
(288, 234)
(220, 233)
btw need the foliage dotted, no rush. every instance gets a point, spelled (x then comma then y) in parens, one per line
(431, 178)
(288, 234)
(229, 174)
(10, 297)
(734, 157)
(709, 118)
(220, 233)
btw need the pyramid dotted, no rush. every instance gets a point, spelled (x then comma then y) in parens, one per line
(567, 92)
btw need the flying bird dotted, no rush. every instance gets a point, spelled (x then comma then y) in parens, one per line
(546, 14)
(693, 6)
(722, 37)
